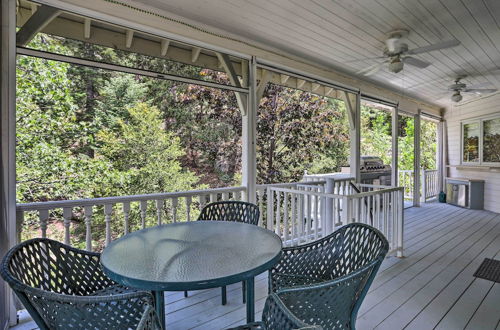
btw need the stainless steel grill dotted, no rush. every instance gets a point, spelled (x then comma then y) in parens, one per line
(373, 171)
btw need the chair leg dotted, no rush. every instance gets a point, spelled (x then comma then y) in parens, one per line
(244, 291)
(223, 294)
(185, 294)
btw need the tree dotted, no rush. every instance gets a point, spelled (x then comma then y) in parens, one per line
(297, 130)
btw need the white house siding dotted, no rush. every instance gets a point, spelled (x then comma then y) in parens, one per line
(484, 106)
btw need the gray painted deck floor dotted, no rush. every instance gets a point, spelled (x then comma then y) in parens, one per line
(431, 288)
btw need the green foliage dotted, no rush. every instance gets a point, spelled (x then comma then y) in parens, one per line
(297, 131)
(144, 156)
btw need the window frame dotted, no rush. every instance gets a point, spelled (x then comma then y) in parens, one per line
(480, 121)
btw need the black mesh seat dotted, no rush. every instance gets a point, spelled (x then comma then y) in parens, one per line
(321, 285)
(64, 287)
(230, 211)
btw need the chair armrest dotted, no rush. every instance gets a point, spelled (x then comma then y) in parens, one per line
(277, 315)
(149, 320)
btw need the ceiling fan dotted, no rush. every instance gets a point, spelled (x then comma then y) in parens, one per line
(397, 54)
(459, 87)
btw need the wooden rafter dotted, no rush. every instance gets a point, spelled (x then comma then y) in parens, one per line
(86, 28)
(226, 63)
(43, 16)
(195, 53)
(164, 46)
(129, 37)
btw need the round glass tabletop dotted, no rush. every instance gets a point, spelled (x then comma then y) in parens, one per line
(191, 255)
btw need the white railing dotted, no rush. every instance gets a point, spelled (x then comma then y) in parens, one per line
(300, 215)
(298, 212)
(147, 210)
(429, 183)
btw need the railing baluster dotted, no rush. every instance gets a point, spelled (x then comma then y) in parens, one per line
(88, 210)
(67, 213)
(300, 220)
(174, 209)
(277, 230)
(188, 207)
(108, 210)
(294, 217)
(225, 196)
(315, 216)
(213, 198)
(159, 206)
(285, 216)
(270, 209)
(44, 217)
(260, 198)
(126, 213)
(144, 208)
(202, 199)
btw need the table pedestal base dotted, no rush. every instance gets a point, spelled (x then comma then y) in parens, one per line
(160, 307)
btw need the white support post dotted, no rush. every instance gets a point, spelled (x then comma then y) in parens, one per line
(416, 159)
(355, 135)
(440, 156)
(249, 132)
(423, 184)
(8, 148)
(395, 151)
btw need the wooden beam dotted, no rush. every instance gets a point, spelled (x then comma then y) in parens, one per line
(86, 28)
(67, 28)
(164, 46)
(34, 8)
(195, 53)
(40, 19)
(265, 77)
(300, 83)
(315, 87)
(233, 78)
(129, 37)
(284, 78)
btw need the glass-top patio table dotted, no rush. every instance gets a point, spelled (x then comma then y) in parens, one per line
(192, 256)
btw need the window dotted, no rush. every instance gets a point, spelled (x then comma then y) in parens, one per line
(481, 141)
(491, 140)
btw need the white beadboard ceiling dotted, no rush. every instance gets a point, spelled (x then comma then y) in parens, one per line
(331, 32)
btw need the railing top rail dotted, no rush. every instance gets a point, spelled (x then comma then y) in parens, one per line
(321, 194)
(291, 184)
(121, 199)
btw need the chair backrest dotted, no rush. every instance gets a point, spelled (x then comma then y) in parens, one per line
(347, 260)
(43, 267)
(231, 211)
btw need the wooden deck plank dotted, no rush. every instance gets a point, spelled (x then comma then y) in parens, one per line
(487, 316)
(425, 286)
(383, 301)
(442, 301)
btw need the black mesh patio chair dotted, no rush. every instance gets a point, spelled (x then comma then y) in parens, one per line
(323, 283)
(230, 211)
(64, 287)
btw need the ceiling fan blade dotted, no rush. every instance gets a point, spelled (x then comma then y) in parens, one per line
(372, 69)
(416, 62)
(480, 91)
(430, 48)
